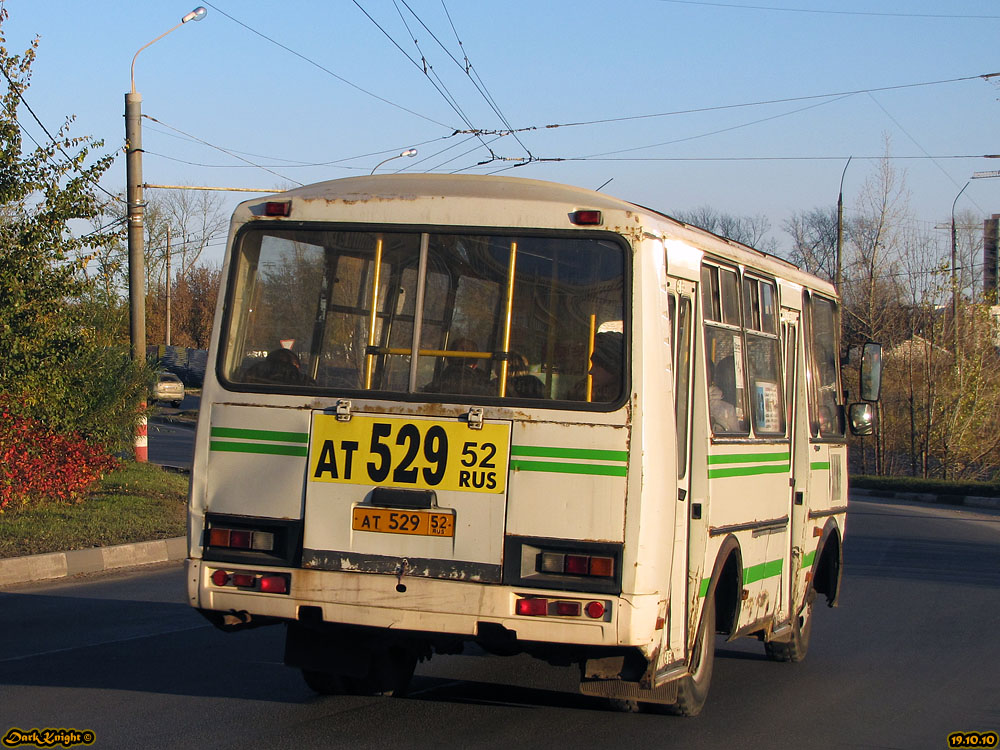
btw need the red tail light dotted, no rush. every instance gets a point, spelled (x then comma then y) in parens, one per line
(533, 607)
(278, 208)
(595, 610)
(274, 584)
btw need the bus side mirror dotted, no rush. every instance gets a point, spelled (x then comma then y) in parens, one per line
(862, 419)
(871, 372)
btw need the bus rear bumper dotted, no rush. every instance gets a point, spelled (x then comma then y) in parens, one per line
(453, 608)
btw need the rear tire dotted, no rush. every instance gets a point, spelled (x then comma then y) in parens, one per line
(796, 647)
(389, 674)
(692, 689)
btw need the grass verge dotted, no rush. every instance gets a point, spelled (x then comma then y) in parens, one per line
(138, 503)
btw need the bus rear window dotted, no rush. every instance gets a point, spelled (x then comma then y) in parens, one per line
(451, 314)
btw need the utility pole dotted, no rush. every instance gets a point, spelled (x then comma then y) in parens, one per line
(838, 278)
(168, 287)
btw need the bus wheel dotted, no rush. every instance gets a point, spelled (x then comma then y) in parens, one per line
(692, 689)
(796, 647)
(324, 683)
(390, 674)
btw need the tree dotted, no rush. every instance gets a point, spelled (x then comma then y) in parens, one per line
(193, 298)
(753, 231)
(60, 361)
(814, 241)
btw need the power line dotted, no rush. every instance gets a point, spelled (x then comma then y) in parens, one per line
(219, 148)
(831, 12)
(72, 162)
(325, 69)
(717, 108)
(423, 68)
(726, 130)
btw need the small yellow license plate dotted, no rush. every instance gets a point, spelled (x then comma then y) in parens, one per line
(414, 522)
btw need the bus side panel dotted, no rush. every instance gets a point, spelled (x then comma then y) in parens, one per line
(255, 470)
(568, 481)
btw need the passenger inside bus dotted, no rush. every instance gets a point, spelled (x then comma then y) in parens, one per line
(461, 375)
(721, 410)
(281, 367)
(521, 383)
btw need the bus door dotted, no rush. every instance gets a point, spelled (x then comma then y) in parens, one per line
(798, 453)
(682, 321)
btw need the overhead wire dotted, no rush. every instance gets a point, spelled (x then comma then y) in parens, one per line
(423, 68)
(72, 162)
(480, 86)
(883, 14)
(325, 69)
(219, 148)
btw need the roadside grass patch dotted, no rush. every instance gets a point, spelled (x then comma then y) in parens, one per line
(137, 503)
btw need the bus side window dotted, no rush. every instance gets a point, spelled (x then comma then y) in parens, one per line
(724, 352)
(682, 378)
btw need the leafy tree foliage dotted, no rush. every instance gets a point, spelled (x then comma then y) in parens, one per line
(61, 360)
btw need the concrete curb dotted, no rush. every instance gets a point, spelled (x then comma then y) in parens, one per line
(52, 565)
(967, 501)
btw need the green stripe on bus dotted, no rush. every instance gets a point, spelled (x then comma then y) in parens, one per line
(807, 561)
(759, 572)
(747, 458)
(279, 437)
(554, 467)
(819, 465)
(747, 471)
(750, 575)
(265, 448)
(593, 454)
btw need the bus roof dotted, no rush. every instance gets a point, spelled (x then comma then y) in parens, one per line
(415, 199)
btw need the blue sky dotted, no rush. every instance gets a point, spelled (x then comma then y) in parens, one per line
(338, 93)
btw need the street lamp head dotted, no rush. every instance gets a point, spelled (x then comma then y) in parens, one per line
(409, 152)
(195, 15)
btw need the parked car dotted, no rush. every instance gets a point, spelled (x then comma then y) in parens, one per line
(168, 387)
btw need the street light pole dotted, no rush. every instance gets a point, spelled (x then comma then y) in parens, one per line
(840, 228)
(954, 271)
(133, 197)
(408, 152)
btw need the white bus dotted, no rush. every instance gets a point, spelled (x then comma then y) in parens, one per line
(453, 409)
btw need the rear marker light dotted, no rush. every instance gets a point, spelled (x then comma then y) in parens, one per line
(218, 538)
(602, 566)
(533, 607)
(278, 208)
(551, 562)
(586, 218)
(262, 541)
(567, 609)
(595, 610)
(274, 584)
(220, 578)
(578, 565)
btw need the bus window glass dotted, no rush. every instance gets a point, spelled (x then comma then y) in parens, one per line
(556, 333)
(764, 365)
(710, 300)
(726, 391)
(768, 308)
(682, 377)
(825, 412)
(730, 296)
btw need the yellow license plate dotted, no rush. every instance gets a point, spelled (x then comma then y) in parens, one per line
(410, 453)
(415, 522)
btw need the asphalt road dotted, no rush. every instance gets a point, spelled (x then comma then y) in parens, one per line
(910, 656)
(172, 443)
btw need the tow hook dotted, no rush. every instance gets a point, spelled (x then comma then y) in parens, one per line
(400, 572)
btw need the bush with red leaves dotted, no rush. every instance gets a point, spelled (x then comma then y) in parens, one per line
(37, 464)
